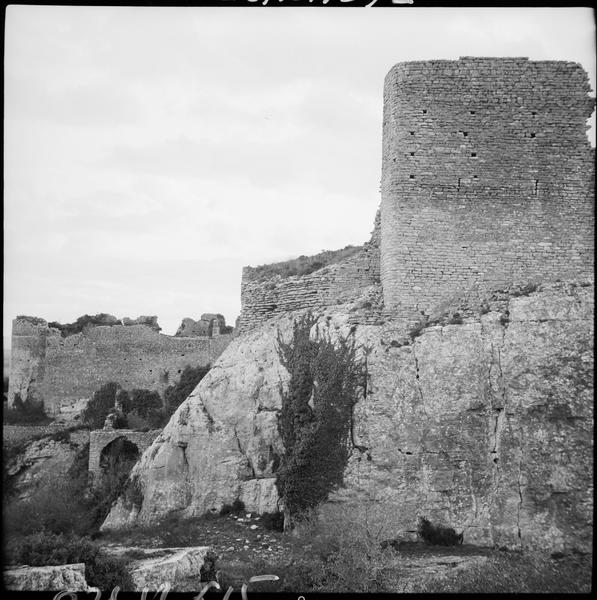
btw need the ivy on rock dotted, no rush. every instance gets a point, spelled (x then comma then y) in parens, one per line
(326, 381)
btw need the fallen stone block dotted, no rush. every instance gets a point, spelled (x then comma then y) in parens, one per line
(154, 568)
(51, 578)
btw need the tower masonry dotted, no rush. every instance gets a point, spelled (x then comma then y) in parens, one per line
(487, 177)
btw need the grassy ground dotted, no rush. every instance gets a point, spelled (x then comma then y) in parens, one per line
(324, 558)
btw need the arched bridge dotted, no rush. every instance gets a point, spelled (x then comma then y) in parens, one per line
(110, 446)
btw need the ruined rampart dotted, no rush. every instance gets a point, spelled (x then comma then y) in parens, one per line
(55, 370)
(487, 177)
(329, 285)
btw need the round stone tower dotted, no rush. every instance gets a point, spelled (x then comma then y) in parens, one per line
(487, 177)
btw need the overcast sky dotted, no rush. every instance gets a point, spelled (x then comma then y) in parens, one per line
(151, 153)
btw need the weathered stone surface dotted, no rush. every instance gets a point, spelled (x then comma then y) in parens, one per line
(47, 579)
(487, 426)
(209, 325)
(155, 568)
(484, 426)
(259, 495)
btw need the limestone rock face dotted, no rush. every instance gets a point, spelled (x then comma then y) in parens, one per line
(484, 426)
(223, 436)
(47, 579)
(259, 495)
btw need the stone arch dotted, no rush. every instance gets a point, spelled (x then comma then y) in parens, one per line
(112, 450)
(116, 459)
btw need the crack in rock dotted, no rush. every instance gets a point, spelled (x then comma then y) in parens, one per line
(244, 455)
(519, 482)
(417, 383)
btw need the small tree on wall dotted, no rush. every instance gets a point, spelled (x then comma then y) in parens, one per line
(146, 404)
(326, 381)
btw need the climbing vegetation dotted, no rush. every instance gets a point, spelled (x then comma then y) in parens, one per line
(315, 421)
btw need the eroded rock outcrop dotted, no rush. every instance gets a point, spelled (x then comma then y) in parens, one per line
(483, 424)
(221, 443)
(45, 461)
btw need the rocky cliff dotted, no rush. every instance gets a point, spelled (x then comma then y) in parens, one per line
(480, 420)
(43, 461)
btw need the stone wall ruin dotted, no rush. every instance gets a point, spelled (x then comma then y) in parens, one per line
(329, 285)
(57, 371)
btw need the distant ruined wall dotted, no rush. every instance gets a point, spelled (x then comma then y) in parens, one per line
(330, 285)
(487, 177)
(55, 370)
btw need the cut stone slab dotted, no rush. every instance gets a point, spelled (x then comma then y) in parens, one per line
(51, 578)
(153, 568)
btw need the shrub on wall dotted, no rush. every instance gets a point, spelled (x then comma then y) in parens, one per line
(316, 416)
(175, 395)
(438, 535)
(100, 405)
(146, 404)
(84, 322)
